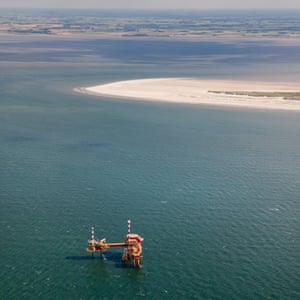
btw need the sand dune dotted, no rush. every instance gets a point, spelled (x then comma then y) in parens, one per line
(209, 92)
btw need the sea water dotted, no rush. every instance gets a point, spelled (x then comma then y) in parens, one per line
(214, 191)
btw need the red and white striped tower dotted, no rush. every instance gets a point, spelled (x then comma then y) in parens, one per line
(128, 226)
(93, 233)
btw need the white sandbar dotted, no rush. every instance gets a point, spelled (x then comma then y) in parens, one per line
(198, 91)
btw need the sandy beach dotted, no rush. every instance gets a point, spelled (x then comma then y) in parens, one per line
(272, 95)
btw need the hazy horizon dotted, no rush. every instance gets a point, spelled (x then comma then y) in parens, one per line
(155, 4)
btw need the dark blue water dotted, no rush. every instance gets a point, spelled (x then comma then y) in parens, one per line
(213, 191)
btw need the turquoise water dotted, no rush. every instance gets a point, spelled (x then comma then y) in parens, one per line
(213, 191)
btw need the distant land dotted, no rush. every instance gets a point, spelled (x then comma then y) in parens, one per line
(174, 24)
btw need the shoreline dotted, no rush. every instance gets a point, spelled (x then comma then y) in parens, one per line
(234, 93)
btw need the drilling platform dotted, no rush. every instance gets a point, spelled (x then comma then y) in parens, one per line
(132, 246)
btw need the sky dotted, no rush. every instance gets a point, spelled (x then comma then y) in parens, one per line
(151, 4)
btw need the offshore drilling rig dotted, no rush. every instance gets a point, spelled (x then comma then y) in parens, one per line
(132, 246)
